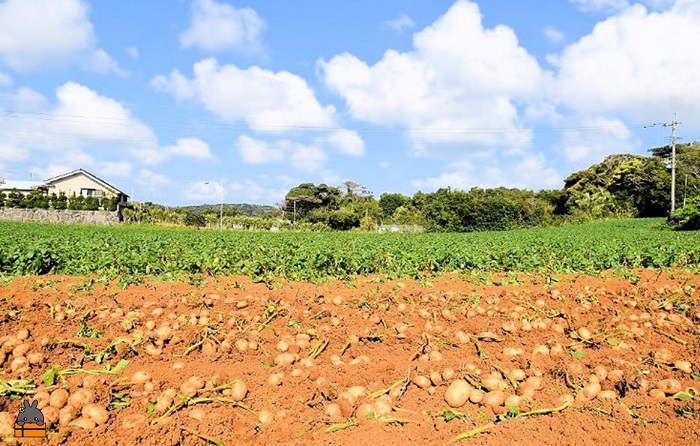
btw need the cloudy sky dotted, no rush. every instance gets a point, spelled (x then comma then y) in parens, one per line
(186, 101)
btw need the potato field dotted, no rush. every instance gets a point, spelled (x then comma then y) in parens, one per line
(576, 335)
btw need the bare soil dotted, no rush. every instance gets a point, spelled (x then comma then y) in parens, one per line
(569, 332)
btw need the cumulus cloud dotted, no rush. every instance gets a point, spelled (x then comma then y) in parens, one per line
(190, 148)
(528, 171)
(84, 113)
(38, 33)
(265, 100)
(459, 77)
(220, 27)
(594, 140)
(256, 151)
(115, 168)
(632, 64)
(400, 23)
(82, 123)
(309, 158)
(348, 142)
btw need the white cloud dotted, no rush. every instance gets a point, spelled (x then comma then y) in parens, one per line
(87, 115)
(600, 5)
(200, 191)
(35, 34)
(190, 148)
(79, 125)
(152, 179)
(25, 99)
(632, 64)
(250, 191)
(553, 34)
(460, 79)
(51, 170)
(101, 62)
(303, 157)
(255, 151)
(115, 168)
(594, 140)
(246, 191)
(308, 158)
(133, 52)
(530, 171)
(400, 23)
(5, 79)
(615, 6)
(11, 153)
(220, 26)
(348, 142)
(266, 101)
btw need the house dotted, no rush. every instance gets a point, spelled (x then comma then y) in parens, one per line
(78, 182)
(82, 182)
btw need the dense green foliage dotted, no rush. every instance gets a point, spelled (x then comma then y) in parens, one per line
(39, 200)
(687, 218)
(33, 248)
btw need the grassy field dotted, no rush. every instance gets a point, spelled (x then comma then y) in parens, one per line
(31, 248)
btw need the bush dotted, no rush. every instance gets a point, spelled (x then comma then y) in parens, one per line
(60, 202)
(343, 219)
(14, 199)
(194, 219)
(688, 217)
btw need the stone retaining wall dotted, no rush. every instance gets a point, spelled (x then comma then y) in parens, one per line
(60, 216)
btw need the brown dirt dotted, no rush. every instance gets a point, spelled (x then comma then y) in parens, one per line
(393, 328)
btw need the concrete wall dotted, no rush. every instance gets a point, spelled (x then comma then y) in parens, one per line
(59, 216)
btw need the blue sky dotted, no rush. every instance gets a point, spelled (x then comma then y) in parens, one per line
(186, 101)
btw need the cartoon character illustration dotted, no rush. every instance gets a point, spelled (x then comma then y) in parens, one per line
(30, 414)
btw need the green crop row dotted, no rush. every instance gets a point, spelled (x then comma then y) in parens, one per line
(33, 248)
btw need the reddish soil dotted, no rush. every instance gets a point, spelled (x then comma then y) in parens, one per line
(569, 333)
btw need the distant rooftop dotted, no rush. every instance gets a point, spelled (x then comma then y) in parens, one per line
(20, 185)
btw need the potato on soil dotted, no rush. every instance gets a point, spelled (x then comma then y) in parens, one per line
(458, 393)
(669, 386)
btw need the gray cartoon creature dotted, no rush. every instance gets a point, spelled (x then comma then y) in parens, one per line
(29, 413)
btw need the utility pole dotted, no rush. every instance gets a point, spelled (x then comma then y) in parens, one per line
(221, 209)
(674, 126)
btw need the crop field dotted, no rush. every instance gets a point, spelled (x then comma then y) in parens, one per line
(138, 335)
(168, 253)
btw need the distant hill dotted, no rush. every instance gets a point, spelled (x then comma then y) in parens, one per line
(250, 210)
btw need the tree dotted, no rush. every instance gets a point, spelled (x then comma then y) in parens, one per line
(389, 202)
(194, 219)
(302, 199)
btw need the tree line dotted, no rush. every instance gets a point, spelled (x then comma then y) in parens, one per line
(620, 186)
